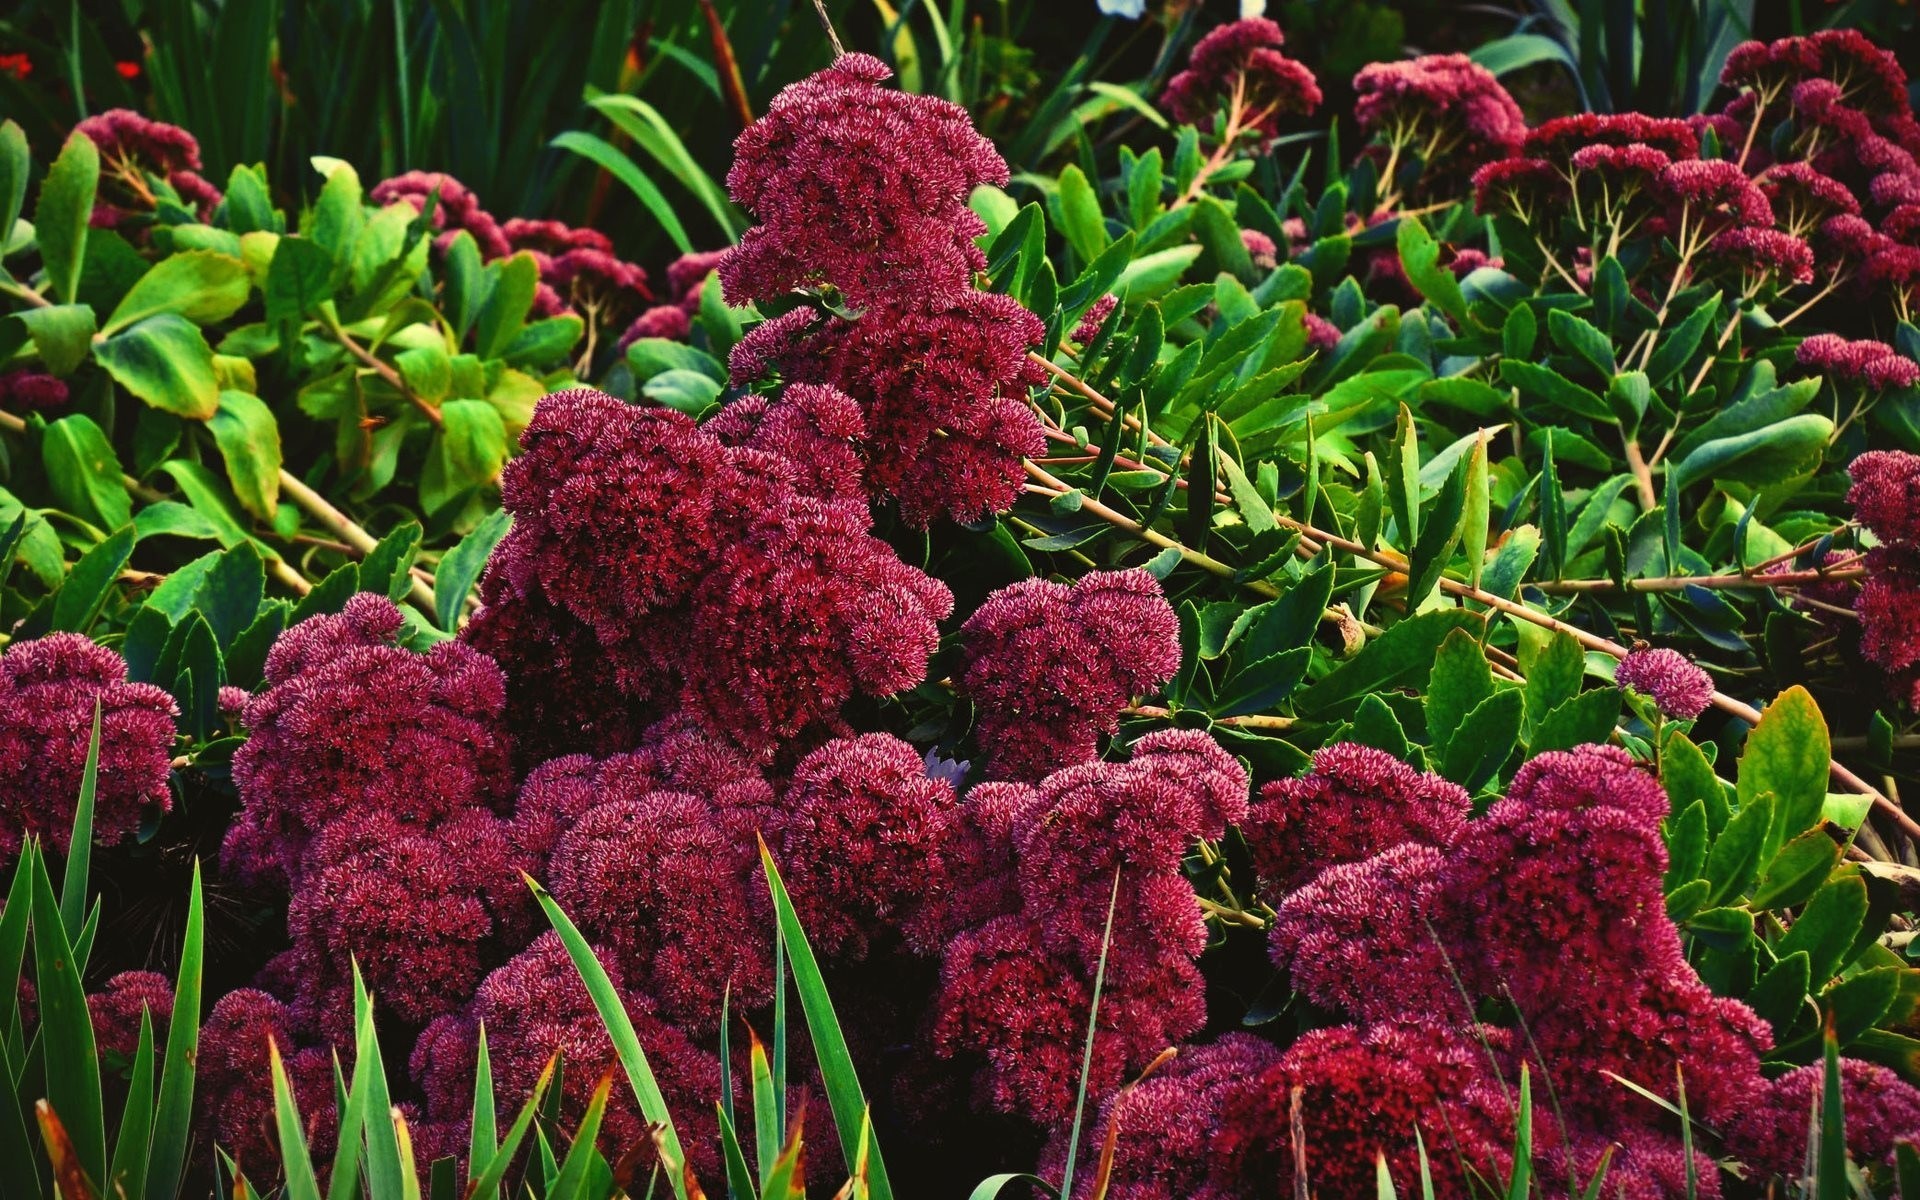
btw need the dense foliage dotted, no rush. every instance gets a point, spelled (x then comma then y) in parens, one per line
(1242, 669)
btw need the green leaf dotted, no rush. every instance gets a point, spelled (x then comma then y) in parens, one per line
(299, 279)
(1787, 754)
(689, 392)
(248, 436)
(1261, 685)
(1583, 340)
(1484, 739)
(1739, 849)
(79, 599)
(655, 134)
(1403, 655)
(835, 1064)
(654, 356)
(1150, 275)
(205, 494)
(128, 1174)
(1858, 1002)
(1587, 717)
(573, 1170)
(1420, 257)
(1079, 215)
(1439, 535)
(617, 164)
(66, 1030)
(166, 362)
(472, 444)
(172, 1123)
(1686, 834)
(388, 1173)
(1781, 994)
(1779, 451)
(1827, 927)
(1688, 776)
(1551, 386)
(61, 216)
(1553, 665)
(84, 473)
(505, 311)
(484, 1180)
(199, 285)
(1797, 871)
(229, 593)
(61, 333)
(73, 884)
(386, 568)
(1678, 346)
(461, 566)
(1461, 679)
(1518, 333)
(294, 1158)
(1474, 525)
(15, 164)
(1516, 51)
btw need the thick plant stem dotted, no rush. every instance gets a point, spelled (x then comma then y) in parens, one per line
(384, 370)
(1679, 583)
(343, 527)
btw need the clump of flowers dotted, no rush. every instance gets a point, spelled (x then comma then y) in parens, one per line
(117, 1009)
(1052, 666)
(1885, 483)
(1870, 365)
(1238, 66)
(578, 269)
(49, 688)
(455, 208)
(351, 723)
(1882, 1110)
(1356, 802)
(1677, 687)
(1886, 494)
(142, 162)
(31, 391)
(1443, 112)
(232, 1081)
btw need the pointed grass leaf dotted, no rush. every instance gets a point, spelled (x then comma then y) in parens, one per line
(571, 1184)
(301, 1182)
(484, 1180)
(172, 1122)
(66, 1029)
(127, 1175)
(73, 882)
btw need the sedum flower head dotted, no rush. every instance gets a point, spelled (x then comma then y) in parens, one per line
(455, 208)
(49, 687)
(1886, 488)
(1677, 687)
(1883, 1110)
(1242, 57)
(1447, 106)
(116, 1010)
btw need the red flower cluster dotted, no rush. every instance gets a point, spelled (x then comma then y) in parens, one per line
(234, 1090)
(1872, 365)
(49, 688)
(1770, 1133)
(1886, 484)
(31, 391)
(1445, 109)
(732, 580)
(1052, 666)
(136, 152)
(864, 188)
(1678, 688)
(578, 269)
(1039, 876)
(455, 208)
(1356, 802)
(1239, 65)
(686, 278)
(116, 1011)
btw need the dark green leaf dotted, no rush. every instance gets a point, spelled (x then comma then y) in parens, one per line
(1787, 755)
(248, 436)
(1827, 926)
(166, 362)
(299, 279)
(1797, 871)
(78, 602)
(61, 217)
(84, 472)
(1403, 655)
(200, 285)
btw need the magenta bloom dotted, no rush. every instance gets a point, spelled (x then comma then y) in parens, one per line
(1445, 107)
(1886, 492)
(31, 391)
(1322, 334)
(351, 723)
(1764, 257)
(1098, 312)
(233, 1087)
(1357, 939)
(1883, 1110)
(667, 321)
(1354, 803)
(117, 1010)
(1802, 197)
(1715, 195)
(48, 689)
(135, 150)
(1241, 61)
(1889, 608)
(1560, 138)
(1165, 1127)
(860, 832)
(1870, 364)
(818, 429)
(1051, 666)
(1678, 688)
(860, 186)
(1518, 186)
(455, 208)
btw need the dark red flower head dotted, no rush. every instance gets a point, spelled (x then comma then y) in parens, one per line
(48, 690)
(1557, 140)
(31, 391)
(1242, 60)
(1865, 363)
(455, 208)
(1676, 686)
(1445, 106)
(116, 1010)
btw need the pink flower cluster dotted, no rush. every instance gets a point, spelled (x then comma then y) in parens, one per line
(1445, 109)
(686, 279)
(1886, 484)
(1677, 687)
(1872, 365)
(864, 188)
(135, 151)
(1240, 65)
(31, 391)
(49, 688)
(652, 565)
(1030, 876)
(1052, 665)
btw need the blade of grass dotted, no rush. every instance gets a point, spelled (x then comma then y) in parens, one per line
(70, 1180)
(173, 1121)
(73, 882)
(571, 1183)
(779, 1054)
(66, 1027)
(991, 1187)
(739, 1179)
(403, 1143)
(766, 1108)
(345, 1181)
(128, 1174)
(842, 1084)
(1521, 1182)
(484, 1136)
(1830, 1177)
(652, 133)
(604, 153)
(294, 1159)
(1383, 1179)
(626, 1042)
(487, 1181)
(1093, 1027)
(13, 939)
(389, 1176)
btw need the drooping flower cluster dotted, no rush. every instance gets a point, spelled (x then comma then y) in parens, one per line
(31, 391)
(725, 579)
(1052, 666)
(1886, 484)
(864, 189)
(578, 269)
(686, 280)
(1677, 687)
(136, 155)
(1874, 366)
(455, 208)
(1443, 113)
(1038, 879)
(1239, 67)
(49, 688)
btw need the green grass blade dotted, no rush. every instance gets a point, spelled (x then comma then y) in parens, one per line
(1426, 1165)
(726, 1051)
(1686, 1133)
(389, 1176)
(345, 1181)
(1521, 1183)
(626, 1042)
(652, 133)
(609, 157)
(1383, 1179)
(991, 1187)
(779, 1051)
(173, 1120)
(128, 1175)
(572, 1181)
(766, 1110)
(13, 939)
(1830, 1168)
(487, 1181)
(403, 1147)
(66, 1028)
(739, 1179)
(73, 883)
(294, 1159)
(1093, 1025)
(837, 1075)
(484, 1136)
(83, 945)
